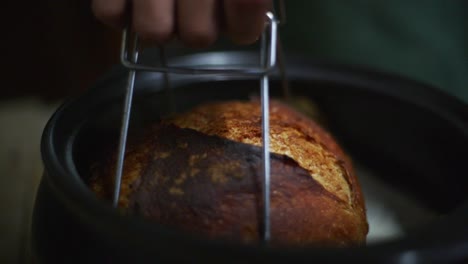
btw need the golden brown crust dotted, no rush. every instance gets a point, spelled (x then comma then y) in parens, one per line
(291, 134)
(200, 172)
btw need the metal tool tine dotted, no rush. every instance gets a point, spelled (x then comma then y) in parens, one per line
(268, 62)
(267, 59)
(125, 118)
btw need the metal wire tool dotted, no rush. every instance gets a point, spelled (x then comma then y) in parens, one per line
(268, 61)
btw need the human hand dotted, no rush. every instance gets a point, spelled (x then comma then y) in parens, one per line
(196, 23)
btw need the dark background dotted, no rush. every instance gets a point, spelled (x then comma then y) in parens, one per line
(53, 48)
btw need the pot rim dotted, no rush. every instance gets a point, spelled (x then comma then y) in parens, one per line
(67, 184)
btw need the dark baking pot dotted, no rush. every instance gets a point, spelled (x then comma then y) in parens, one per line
(413, 136)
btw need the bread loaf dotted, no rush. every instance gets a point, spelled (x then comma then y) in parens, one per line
(201, 172)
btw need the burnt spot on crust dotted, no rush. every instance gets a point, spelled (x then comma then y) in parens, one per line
(291, 134)
(227, 186)
(206, 178)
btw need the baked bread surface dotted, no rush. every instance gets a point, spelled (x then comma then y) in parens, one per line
(201, 172)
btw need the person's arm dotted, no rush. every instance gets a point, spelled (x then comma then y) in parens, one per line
(197, 23)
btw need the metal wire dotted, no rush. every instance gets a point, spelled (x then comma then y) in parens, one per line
(125, 121)
(268, 54)
(264, 89)
(199, 70)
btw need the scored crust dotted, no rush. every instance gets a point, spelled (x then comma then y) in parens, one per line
(291, 134)
(315, 194)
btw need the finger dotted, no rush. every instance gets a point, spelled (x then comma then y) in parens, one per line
(197, 22)
(245, 19)
(110, 12)
(153, 19)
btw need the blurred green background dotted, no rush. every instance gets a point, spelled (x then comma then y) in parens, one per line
(426, 40)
